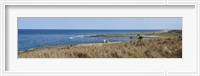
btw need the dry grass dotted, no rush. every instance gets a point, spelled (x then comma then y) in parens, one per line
(152, 48)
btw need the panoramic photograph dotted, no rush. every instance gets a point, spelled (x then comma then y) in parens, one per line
(99, 37)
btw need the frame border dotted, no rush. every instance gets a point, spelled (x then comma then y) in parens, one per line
(4, 3)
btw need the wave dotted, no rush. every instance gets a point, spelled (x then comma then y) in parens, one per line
(81, 36)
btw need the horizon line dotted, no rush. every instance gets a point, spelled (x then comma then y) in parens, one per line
(99, 29)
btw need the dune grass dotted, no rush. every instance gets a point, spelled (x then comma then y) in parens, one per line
(169, 47)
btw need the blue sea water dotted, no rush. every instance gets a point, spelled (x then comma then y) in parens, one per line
(34, 38)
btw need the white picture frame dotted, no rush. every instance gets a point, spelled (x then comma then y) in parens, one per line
(5, 3)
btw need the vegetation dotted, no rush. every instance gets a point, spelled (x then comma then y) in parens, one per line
(167, 46)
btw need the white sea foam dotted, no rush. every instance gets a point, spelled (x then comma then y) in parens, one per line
(71, 37)
(78, 36)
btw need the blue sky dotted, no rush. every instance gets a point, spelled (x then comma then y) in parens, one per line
(99, 23)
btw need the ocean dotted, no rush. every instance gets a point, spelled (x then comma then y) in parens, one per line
(35, 38)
